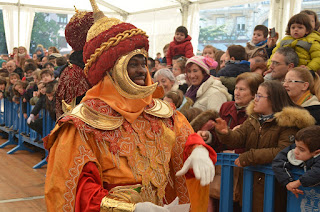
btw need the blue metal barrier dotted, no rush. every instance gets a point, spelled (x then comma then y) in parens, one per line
(8, 123)
(308, 202)
(15, 125)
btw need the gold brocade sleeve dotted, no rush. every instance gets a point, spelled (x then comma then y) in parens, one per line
(111, 205)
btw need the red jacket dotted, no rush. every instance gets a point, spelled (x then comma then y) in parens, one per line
(229, 113)
(179, 48)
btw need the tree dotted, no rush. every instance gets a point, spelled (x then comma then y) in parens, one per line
(3, 43)
(211, 33)
(44, 31)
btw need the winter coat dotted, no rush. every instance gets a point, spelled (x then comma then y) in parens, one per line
(263, 142)
(234, 68)
(183, 48)
(211, 95)
(307, 48)
(313, 106)
(285, 161)
(253, 50)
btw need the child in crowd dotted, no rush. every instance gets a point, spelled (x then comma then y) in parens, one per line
(209, 51)
(304, 40)
(41, 91)
(259, 44)
(159, 56)
(3, 84)
(179, 70)
(50, 99)
(181, 102)
(13, 78)
(165, 51)
(236, 62)
(14, 52)
(304, 154)
(180, 45)
(46, 75)
(19, 89)
(314, 19)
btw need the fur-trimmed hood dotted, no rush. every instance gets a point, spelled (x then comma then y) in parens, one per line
(203, 118)
(288, 117)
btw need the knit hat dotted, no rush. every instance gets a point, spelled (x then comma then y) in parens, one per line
(77, 29)
(108, 39)
(206, 63)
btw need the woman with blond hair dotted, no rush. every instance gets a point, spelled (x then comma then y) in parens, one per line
(303, 87)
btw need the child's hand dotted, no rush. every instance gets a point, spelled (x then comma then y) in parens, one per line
(25, 116)
(1, 95)
(24, 100)
(293, 187)
(204, 134)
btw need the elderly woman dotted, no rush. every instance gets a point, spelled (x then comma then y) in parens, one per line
(166, 79)
(304, 90)
(266, 132)
(207, 92)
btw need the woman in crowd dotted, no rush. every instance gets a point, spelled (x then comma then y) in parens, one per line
(273, 121)
(206, 92)
(166, 79)
(304, 90)
(234, 113)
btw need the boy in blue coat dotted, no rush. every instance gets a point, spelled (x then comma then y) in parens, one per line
(305, 154)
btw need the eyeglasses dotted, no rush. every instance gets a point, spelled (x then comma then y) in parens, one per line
(258, 96)
(291, 81)
(276, 63)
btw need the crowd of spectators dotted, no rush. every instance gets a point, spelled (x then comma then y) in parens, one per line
(248, 100)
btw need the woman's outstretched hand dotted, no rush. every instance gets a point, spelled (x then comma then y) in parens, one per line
(221, 126)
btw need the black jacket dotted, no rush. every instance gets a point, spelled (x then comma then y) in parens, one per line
(41, 104)
(234, 68)
(282, 167)
(314, 110)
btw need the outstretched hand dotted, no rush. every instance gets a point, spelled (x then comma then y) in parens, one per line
(221, 126)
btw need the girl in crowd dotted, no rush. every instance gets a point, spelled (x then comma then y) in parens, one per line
(179, 70)
(304, 40)
(313, 17)
(166, 79)
(21, 56)
(272, 123)
(207, 92)
(304, 90)
(13, 78)
(19, 89)
(209, 51)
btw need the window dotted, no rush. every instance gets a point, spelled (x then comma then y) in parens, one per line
(241, 23)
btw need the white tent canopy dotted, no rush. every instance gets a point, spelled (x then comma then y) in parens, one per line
(159, 18)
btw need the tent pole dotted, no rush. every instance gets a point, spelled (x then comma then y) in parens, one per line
(19, 23)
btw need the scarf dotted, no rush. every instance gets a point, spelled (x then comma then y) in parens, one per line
(264, 118)
(306, 96)
(262, 43)
(192, 91)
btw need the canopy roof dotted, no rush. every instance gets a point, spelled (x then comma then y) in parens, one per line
(159, 18)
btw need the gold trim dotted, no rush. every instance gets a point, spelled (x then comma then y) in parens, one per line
(101, 26)
(122, 82)
(108, 205)
(160, 109)
(96, 119)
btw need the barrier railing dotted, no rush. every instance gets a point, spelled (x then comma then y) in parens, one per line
(14, 124)
(309, 202)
